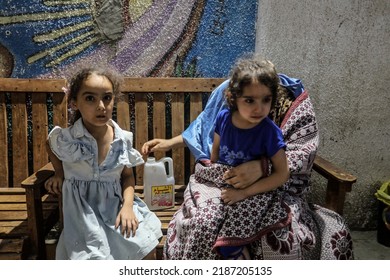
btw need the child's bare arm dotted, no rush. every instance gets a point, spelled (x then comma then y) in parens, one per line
(215, 148)
(278, 177)
(54, 184)
(126, 217)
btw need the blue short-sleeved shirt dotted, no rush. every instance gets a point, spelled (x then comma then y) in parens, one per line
(241, 145)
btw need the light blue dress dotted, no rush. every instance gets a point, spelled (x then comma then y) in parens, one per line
(92, 196)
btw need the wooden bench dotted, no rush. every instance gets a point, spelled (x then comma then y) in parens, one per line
(151, 108)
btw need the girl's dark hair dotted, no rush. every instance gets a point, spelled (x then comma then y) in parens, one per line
(247, 71)
(76, 81)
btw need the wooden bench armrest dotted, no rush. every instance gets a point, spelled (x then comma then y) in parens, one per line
(38, 179)
(34, 187)
(339, 183)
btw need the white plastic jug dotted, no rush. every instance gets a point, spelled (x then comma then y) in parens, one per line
(159, 183)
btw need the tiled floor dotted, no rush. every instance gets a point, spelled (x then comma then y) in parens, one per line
(366, 246)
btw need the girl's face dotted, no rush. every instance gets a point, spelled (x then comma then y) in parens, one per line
(95, 101)
(253, 106)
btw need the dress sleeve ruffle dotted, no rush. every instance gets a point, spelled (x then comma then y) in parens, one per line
(130, 156)
(67, 148)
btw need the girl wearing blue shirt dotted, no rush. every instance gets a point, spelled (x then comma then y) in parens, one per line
(244, 132)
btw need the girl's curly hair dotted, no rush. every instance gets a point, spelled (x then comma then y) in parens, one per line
(246, 71)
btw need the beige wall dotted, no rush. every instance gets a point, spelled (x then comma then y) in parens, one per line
(341, 52)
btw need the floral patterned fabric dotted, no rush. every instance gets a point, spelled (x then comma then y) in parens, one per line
(276, 225)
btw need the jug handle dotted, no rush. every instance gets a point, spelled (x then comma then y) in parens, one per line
(170, 165)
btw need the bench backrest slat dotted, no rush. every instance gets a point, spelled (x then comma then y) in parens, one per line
(177, 128)
(60, 109)
(149, 107)
(141, 127)
(39, 129)
(196, 107)
(20, 167)
(159, 119)
(123, 115)
(3, 142)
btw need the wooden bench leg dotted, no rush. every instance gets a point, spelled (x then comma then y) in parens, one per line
(335, 195)
(35, 221)
(160, 248)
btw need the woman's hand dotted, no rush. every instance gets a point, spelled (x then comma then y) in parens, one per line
(154, 145)
(127, 220)
(53, 185)
(232, 195)
(162, 145)
(244, 175)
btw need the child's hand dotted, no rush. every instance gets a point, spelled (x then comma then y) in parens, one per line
(53, 185)
(232, 195)
(127, 220)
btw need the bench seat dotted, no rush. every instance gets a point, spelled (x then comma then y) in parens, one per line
(14, 234)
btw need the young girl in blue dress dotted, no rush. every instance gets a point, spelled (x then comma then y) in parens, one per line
(93, 161)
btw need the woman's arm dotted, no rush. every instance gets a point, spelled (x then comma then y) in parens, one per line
(126, 217)
(302, 136)
(163, 145)
(278, 177)
(240, 178)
